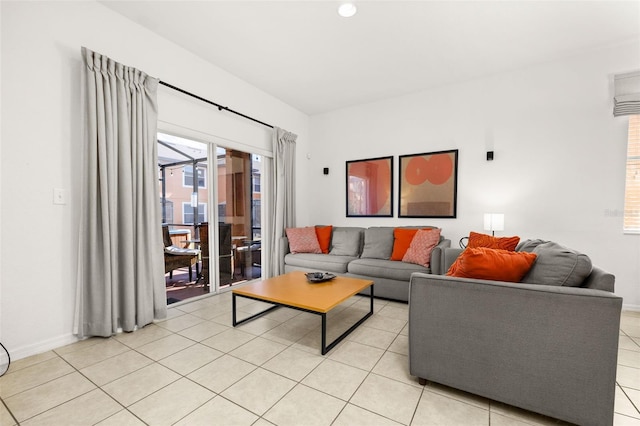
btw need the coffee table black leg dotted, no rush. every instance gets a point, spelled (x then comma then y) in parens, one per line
(339, 339)
(371, 299)
(324, 334)
(234, 320)
(233, 309)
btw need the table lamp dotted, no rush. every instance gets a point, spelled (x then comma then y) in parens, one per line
(493, 222)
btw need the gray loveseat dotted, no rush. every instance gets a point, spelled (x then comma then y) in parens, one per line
(364, 253)
(537, 344)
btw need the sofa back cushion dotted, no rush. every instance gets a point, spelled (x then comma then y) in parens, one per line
(346, 241)
(378, 243)
(556, 265)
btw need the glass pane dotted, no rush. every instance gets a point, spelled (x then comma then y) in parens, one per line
(184, 208)
(238, 204)
(632, 181)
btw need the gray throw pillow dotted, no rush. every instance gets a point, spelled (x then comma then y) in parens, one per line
(555, 264)
(346, 241)
(378, 243)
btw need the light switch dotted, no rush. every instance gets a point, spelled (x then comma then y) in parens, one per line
(59, 196)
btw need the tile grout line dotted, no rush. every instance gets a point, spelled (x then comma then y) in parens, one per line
(622, 389)
(75, 370)
(9, 411)
(287, 346)
(299, 382)
(102, 390)
(158, 361)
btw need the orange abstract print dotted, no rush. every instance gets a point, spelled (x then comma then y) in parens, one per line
(437, 169)
(428, 184)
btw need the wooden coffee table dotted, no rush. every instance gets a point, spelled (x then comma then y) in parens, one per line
(293, 291)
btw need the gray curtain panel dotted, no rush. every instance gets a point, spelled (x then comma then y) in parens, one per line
(120, 270)
(281, 197)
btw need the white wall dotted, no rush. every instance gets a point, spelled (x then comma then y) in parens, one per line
(559, 163)
(41, 142)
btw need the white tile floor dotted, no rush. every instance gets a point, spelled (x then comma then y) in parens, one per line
(195, 369)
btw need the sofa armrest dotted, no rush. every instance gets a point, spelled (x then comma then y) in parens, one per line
(437, 256)
(284, 249)
(284, 246)
(600, 280)
(548, 349)
(449, 255)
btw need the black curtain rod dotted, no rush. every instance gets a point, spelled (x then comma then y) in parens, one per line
(220, 107)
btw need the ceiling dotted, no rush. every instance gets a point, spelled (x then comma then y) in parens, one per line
(306, 55)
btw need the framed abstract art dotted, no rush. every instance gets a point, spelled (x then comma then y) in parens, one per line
(370, 187)
(429, 184)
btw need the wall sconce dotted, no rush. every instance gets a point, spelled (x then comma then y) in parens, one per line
(493, 222)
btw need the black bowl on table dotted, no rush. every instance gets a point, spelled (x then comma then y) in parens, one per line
(319, 277)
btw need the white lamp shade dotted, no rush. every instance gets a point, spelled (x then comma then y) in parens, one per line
(494, 222)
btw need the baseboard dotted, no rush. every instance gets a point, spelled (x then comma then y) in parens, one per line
(43, 346)
(633, 308)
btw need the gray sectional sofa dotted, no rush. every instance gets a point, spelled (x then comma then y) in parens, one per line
(364, 253)
(548, 344)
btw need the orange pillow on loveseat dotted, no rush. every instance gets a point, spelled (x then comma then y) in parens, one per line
(492, 264)
(484, 240)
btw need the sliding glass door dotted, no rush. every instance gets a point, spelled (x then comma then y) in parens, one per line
(193, 196)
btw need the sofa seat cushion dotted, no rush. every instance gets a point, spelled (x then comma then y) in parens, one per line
(390, 269)
(321, 262)
(556, 265)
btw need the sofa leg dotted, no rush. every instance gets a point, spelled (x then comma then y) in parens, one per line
(422, 381)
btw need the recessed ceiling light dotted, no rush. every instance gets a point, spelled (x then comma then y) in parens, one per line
(347, 10)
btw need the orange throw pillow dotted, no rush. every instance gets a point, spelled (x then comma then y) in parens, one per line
(483, 240)
(492, 264)
(324, 237)
(402, 238)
